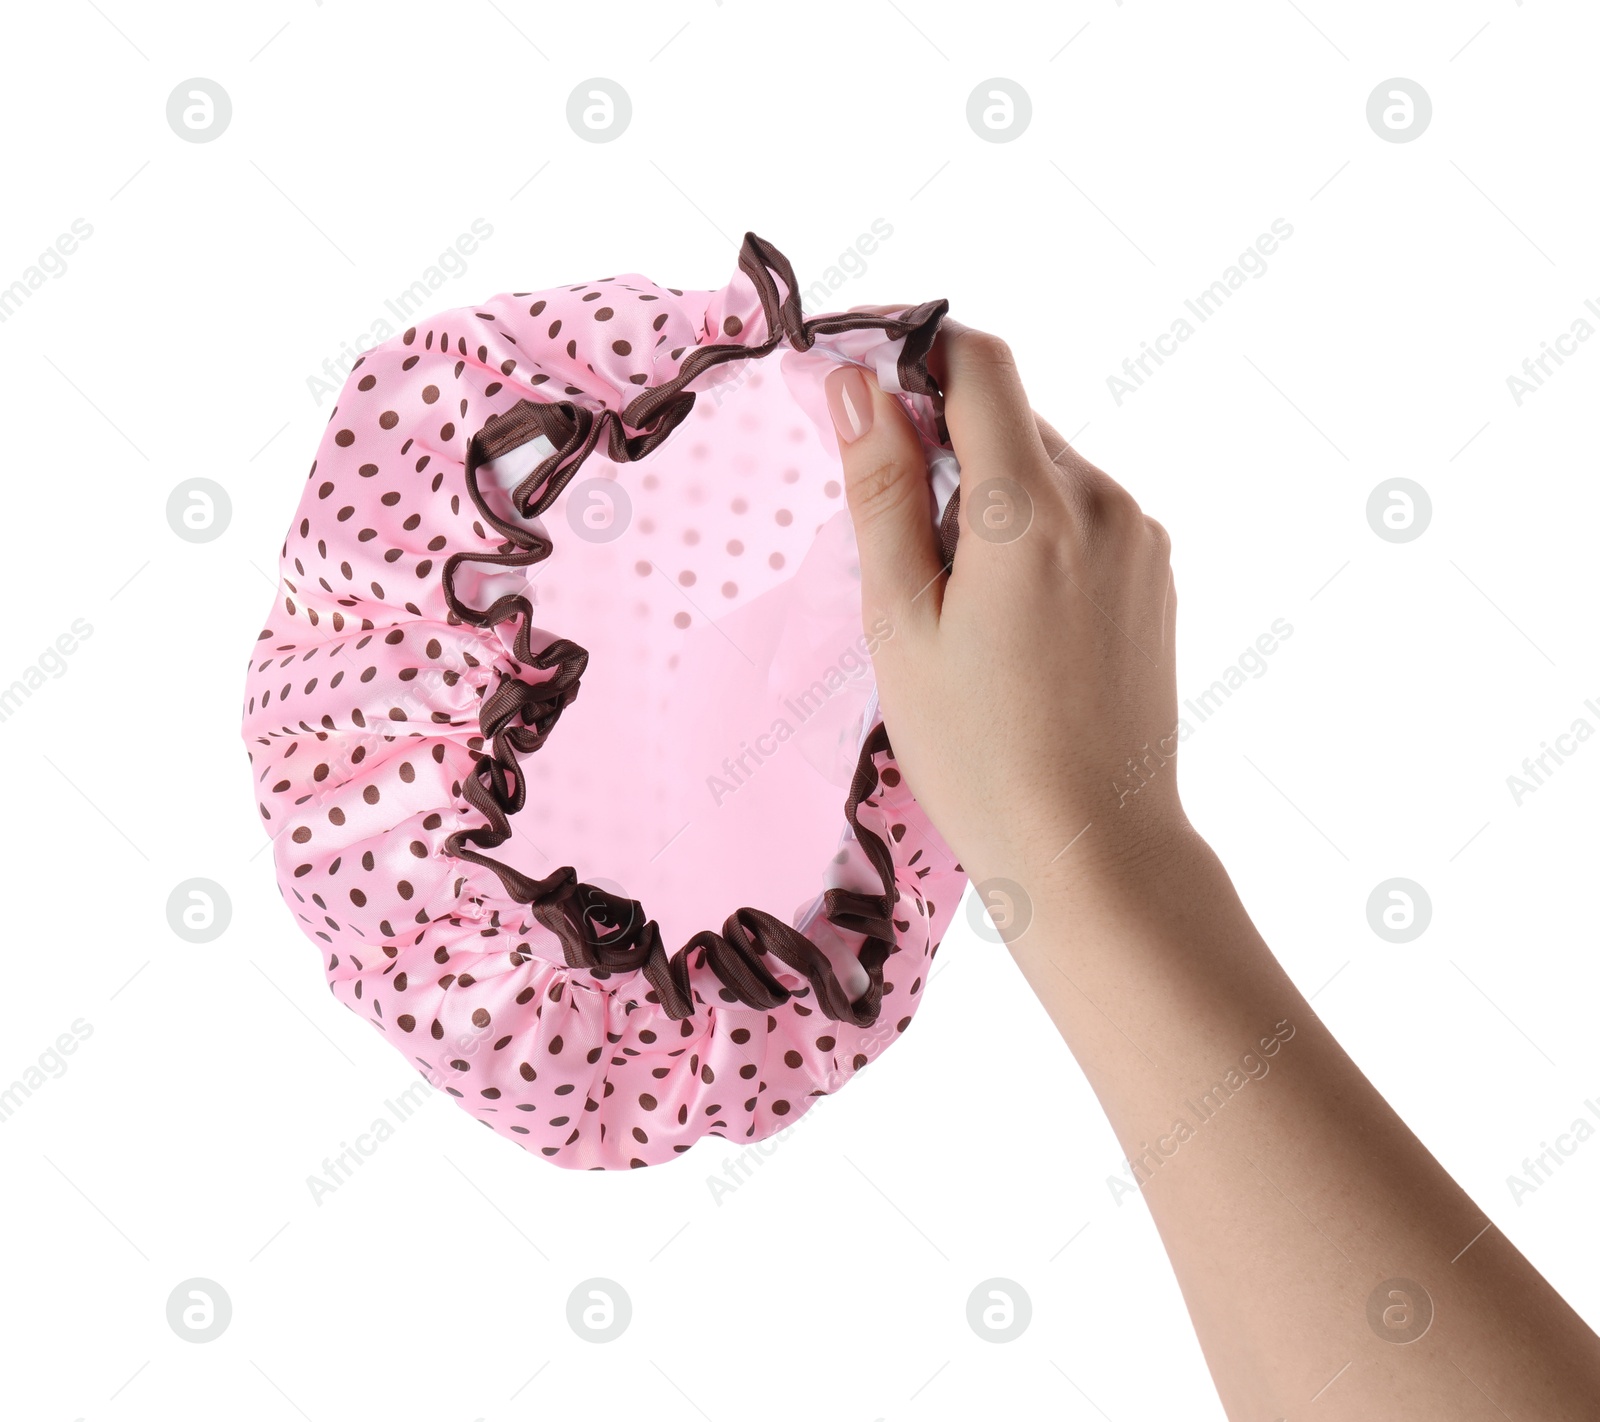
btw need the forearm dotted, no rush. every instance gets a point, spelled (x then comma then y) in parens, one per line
(1285, 1188)
(1288, 1194)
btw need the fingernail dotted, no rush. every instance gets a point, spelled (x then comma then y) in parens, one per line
(849, 402)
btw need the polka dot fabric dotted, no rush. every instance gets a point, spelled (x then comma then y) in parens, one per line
(629, 491)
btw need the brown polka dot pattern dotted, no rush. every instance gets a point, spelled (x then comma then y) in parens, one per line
(365, 713)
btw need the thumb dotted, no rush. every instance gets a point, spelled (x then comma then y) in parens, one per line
(891, 502)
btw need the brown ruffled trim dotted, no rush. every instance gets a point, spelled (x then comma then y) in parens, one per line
(950, 527)
(598, 931)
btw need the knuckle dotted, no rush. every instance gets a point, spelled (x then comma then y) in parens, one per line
(986, 346)
(877, 489)
(1158, 534)
(1113, 507)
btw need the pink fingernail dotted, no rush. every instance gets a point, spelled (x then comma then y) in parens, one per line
(849, 402)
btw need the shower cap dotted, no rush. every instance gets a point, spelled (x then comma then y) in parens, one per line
(567, 659)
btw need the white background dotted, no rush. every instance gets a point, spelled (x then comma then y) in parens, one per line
(1165, 138)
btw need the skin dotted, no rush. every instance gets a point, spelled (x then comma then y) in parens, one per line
(1018, 685)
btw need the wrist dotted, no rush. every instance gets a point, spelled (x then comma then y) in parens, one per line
(1097, 873)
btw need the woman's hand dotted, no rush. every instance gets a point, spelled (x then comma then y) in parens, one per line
(1029, 691)
(1029, 695)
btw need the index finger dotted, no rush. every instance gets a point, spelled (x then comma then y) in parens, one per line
(992, 426)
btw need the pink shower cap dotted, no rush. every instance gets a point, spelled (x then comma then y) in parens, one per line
(634, 493)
